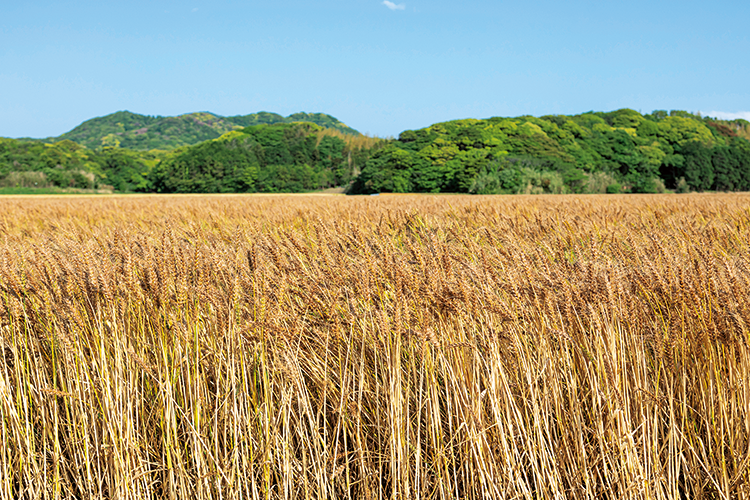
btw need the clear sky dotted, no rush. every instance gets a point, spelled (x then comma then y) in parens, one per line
(378, 66)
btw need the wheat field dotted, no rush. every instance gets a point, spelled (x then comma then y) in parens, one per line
(390, 347)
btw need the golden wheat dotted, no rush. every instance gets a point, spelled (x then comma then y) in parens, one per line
(375, 347)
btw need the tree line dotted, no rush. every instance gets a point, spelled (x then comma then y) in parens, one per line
(596, 152)
(619, 151)
(280, 157)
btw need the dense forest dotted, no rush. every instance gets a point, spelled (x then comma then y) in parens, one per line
(595, 152)
(619, 151)
(283, 157)
(280, 157)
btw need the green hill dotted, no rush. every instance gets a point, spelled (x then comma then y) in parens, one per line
(621, 151)
(618, 151)
(141, 132)
(277, 157)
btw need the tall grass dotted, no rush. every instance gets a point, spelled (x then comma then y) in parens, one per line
(376, 348)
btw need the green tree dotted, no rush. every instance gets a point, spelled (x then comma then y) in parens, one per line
(697, 169)
(387, 171)
(220, 166)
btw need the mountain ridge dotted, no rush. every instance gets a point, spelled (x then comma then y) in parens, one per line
(139, 132)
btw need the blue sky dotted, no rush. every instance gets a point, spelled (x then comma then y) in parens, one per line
(379, 66)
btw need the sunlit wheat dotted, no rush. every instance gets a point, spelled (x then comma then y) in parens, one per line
(406, 347)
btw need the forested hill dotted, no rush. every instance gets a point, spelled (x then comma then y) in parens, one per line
(618, 151)
(142, 132)
(278, 157)
(621, 151)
